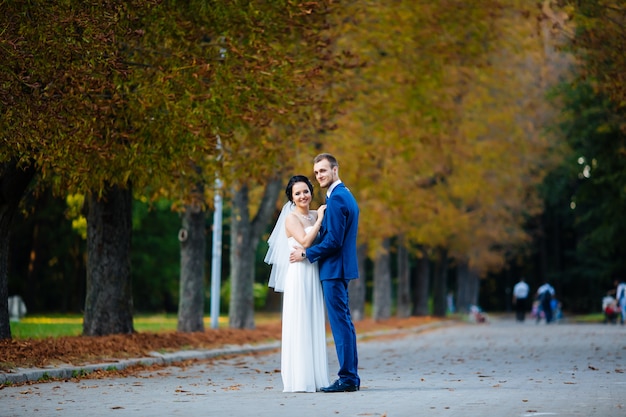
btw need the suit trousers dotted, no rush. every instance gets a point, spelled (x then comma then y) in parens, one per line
(344, 334)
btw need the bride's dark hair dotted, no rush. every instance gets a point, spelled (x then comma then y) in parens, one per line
(295, 179)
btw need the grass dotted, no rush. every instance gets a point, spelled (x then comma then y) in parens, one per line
(591, 318)
(39, 327)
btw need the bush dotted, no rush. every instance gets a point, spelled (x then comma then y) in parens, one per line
(259, 292)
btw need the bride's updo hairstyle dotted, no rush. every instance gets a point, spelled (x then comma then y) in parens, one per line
(296, 179)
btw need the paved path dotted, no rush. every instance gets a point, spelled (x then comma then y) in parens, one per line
(501, 369)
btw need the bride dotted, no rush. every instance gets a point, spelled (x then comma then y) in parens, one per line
(304, 365)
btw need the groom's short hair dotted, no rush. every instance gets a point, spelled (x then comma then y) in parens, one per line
(328, 157)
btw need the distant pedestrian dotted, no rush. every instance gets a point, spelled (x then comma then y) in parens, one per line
(610, 308)
(17, 308)
(545, 294)
(520, 299)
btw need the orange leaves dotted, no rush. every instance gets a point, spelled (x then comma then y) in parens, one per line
(440, 140)
(434, 108)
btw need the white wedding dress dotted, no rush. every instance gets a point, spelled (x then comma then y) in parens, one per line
(304, 364)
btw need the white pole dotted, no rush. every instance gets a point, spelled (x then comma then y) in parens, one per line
(216, 258)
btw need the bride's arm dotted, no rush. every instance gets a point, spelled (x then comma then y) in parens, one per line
(294, 228)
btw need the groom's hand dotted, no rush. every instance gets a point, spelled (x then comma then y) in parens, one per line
(297, 255)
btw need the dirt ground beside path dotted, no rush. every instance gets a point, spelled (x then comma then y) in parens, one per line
(81, 350)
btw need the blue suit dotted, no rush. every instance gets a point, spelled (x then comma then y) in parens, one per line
(337, 257)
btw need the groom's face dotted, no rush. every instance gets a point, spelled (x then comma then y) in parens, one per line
(324, 174)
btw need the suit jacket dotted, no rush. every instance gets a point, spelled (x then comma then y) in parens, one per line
(336, 251)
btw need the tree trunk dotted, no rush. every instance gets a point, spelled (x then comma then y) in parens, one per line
(192, 238)
(464, 291)
(13, 183)
(468, 282)
(356, 288)
(245, 236)
(508, 295)
(109, 298)
(474, 286)
(382, 283)
(440, 285)
(404, 282)
(421, 287)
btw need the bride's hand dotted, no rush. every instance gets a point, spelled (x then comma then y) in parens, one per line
(320, 211)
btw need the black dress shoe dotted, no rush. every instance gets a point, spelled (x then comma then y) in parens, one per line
(339, 386)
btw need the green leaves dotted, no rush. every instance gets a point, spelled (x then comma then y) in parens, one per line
(109, 93)
(599, 40)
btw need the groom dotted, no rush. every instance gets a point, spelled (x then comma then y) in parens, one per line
(336, 253)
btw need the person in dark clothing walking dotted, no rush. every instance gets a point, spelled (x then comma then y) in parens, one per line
(520, 299)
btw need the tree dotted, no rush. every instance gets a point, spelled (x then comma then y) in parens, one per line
(249, 93)
(421, 285)
(468, 284)
(66, 117)
(13, 181)
(357, 288)
(586, 196)
(382, 284)
(47, 89)
(108, 303)
(145, 90)
(289, 107)
(449, 140)
(598, 38)
(403, 308)
(245, 235)
(578, 237)
(192, 238)
(596, 131)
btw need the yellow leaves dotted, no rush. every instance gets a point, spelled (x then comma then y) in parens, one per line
(437, 133)
(75, 203)
(440, 137)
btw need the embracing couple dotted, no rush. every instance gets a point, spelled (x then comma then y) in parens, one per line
(313, 257)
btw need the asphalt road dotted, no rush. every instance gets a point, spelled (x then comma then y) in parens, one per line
(499, 369)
